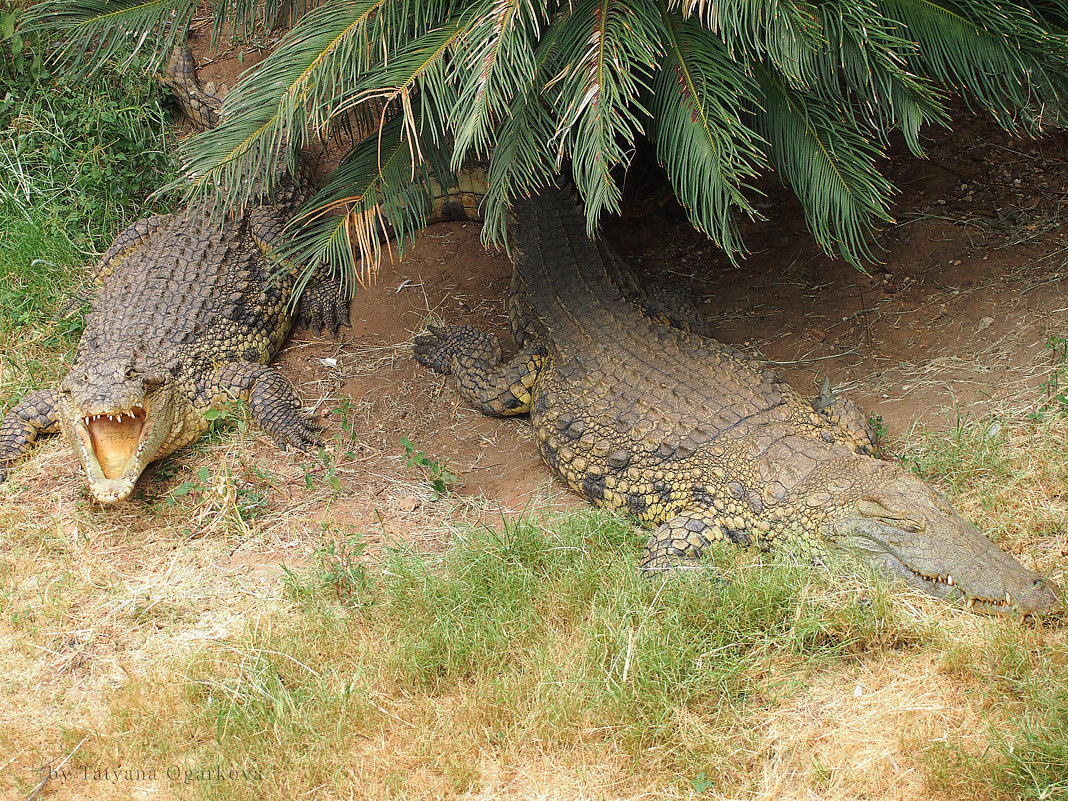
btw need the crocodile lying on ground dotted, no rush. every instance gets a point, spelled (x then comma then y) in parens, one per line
(188, 312)
(689, 435)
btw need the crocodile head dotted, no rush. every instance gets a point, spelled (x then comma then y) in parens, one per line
(909, 530)
(116, 414)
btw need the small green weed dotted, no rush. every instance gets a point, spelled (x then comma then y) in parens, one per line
(329, 471)
(435, 472)
(347, 409)
(879, 430)
(1055, 388)
(198, 486)
(700, 784)
(247, 495)
(219, 420)
(342, 571)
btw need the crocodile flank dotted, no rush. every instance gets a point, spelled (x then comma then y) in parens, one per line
(640, 413)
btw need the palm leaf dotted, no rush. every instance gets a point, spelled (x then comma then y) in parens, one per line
(269, 115)
(493, 62)
(611, 49)
(998, 53)
(780, 32)
(95, 31)
(863, 65)
(379, 191)
(709, 152)
(829, 162)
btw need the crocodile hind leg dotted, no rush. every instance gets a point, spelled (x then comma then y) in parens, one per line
(34, 415)
(844, 413)
(679, 543)
(496, 387)
(323, 305)
(275, 406)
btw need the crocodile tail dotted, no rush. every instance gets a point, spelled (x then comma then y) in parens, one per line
(201, 105)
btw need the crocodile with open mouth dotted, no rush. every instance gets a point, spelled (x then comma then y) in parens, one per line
(188, 311)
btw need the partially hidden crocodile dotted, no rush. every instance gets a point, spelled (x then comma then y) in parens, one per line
(188, 311)
(691, 436)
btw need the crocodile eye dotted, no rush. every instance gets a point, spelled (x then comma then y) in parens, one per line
(876, 509)
(131, 375)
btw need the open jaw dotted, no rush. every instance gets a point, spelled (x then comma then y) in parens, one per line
(112, 445)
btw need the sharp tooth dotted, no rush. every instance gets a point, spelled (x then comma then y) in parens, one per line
(971, 602)
(1008, 600)
(949, 580)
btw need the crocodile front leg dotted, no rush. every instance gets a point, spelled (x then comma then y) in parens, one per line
(36, 414)
(275, 406)
(323, 305)
(680, 542)
(496, 387)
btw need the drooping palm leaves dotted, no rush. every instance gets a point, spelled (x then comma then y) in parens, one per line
(724, 90)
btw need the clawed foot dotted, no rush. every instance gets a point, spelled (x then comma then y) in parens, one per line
(298, 432)
(437, 348)
(432, 349)
(323, 306)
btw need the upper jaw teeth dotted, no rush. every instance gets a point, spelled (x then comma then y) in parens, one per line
(970, 601)
(92, 418)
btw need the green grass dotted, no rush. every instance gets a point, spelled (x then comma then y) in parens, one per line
(77, 162)
(1028, 757)
(527, 637)
(1008, 477)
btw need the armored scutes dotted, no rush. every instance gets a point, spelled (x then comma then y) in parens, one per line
(188, 312)
(691, 436)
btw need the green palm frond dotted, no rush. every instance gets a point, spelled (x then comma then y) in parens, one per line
(724, 89)
(782, 32)
(863, 55)
(493, 62)
(325, 52)
(708, 149)
(523, 157)
(521, 162)
(999, 53)
(829, 162)
(240, 19)
(265, 120)
(92, 32)
(285, 107)
(380, 191)
(1053, 14)
(609, 52)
